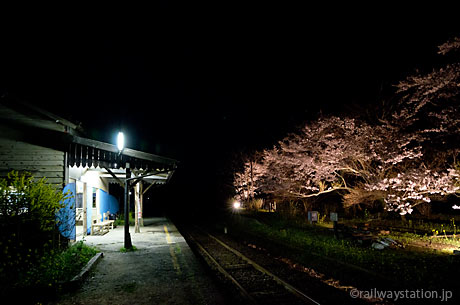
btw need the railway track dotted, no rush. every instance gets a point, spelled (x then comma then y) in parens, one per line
(255, 283)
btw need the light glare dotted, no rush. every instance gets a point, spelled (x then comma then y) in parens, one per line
(236, 205)
(120, 141)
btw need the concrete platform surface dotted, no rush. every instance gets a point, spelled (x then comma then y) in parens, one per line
(163, 270)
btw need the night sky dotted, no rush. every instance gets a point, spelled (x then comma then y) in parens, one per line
(200, 83)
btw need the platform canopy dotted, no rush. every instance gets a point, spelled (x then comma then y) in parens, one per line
(87, 152)
(25, 128)
(106, 157)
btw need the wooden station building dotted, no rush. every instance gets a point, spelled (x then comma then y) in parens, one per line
(36, 141)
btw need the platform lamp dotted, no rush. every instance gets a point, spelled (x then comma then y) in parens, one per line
(120, 141)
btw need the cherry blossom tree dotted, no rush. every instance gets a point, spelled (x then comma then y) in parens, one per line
(407, 157)
(362, 161)
(428, 113)
(319, 159)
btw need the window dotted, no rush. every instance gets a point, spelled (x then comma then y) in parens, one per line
(94, 197)
(79, 201)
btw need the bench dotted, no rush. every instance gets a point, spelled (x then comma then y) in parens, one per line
(101, 227)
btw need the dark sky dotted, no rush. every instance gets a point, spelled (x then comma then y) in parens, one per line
(196, 83)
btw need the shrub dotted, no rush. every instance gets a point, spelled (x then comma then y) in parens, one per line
(28, 223)
(57, 267)
(254, 204)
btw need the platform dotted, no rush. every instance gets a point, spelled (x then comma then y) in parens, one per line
(163, 270)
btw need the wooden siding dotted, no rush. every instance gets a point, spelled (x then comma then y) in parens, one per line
(38, 160)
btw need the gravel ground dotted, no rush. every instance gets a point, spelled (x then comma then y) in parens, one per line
(310, 284)
(162, 271)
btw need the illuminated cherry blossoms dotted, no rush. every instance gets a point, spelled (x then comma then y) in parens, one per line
(405, 155)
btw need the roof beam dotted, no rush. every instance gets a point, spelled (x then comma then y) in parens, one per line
(126, 152)
(115, 177)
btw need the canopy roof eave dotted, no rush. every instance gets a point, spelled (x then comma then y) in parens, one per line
(88, 152)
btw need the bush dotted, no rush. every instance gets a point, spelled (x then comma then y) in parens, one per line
(291, 210)
(46, 277)
(28, 223)
(254, 204)
(57, 267)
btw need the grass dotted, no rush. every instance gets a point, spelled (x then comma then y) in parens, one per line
(436, 241)
(46, 277)
(316, 247)
(124, 250)
(59, 267)
(417, 226)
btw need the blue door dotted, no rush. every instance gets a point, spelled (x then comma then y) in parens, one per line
(66, 215)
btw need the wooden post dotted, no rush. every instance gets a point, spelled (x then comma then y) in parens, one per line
(334, 218)
(336, 231)
(141, 200)
(66, 169)
(252, 182)
(85, 214)
(136, 208)
(128, 244)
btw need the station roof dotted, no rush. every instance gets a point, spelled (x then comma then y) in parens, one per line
(88, 152)
(41, 127)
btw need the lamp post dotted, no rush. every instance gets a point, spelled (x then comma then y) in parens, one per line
(128, 183)
(121, 146)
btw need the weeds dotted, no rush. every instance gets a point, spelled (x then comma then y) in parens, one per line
(318, 246)
(55, 268)
(132, 249)
(46, 276)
